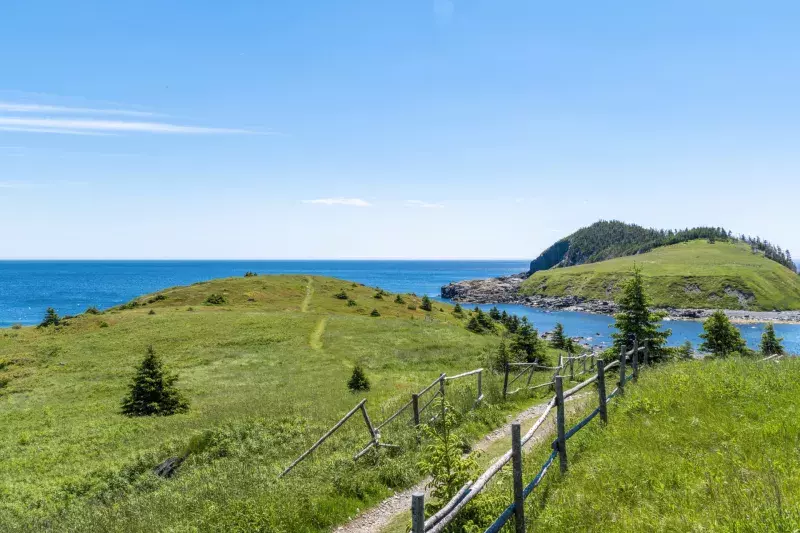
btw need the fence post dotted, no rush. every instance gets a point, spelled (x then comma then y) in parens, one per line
(635, 359)
(418, 512)
(505, 382)
(441, 386)
(571, 367)
(601, 389)
(561, 441)
(415, 407)
(480, 385)
(516, 457)
(622, 358)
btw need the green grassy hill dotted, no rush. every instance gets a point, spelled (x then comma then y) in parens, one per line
(694, 274)
(696, 446)
(265, 374)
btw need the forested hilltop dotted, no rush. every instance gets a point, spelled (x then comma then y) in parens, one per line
(609, 239)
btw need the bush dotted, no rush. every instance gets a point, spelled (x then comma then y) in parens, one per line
(151, 312)
(130, 305)
(374, 313)
(215, 299)
(51, 318)
(157, 298)
(92, 311)
(458, 310)
(412, 307)
(249, 274)
(426, 304)
(399, 299)
(378, 295)
(351, 303)
(104, 324)
(358, 380)
(152, 391)
(16, 326)
(341, 295)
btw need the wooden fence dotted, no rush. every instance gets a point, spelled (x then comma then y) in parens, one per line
(584, 363)
(438, 387)
(438, 522)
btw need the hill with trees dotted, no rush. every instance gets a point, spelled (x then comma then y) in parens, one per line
(609, 239)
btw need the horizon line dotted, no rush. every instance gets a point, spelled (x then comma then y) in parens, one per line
(265, 259)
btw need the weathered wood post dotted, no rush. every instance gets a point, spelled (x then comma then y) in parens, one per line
(505, 381)
(635, 359)
(415, 408)
(480, 385)
(622, 357)
(372, 432)
(601, 389)
(418, 512)
(561, 441)
(571, 367)
(516, 458)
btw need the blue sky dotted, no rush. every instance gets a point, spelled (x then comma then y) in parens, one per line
(397, 128)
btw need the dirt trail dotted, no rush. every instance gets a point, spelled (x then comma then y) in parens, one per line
(315, 341)
(375, 519)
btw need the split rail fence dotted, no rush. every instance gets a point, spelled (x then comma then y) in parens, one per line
(418, 404)
(439, 521)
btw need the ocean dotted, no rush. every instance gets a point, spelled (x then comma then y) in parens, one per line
(28, 288)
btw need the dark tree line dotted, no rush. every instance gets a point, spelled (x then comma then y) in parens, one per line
(770, 251)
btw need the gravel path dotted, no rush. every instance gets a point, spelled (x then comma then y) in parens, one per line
(374, 519)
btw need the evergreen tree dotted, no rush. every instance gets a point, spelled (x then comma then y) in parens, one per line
(484, 320)
(426, 304)
(771, 343)
(503, 356)
(457, 310)
(635, 320)
(399, 299)
(152, 391)
(358, 380)
(526, 343)
(720, 337)
(494, 313)
(51, 318)
(569, 346)
(473, 325)
(557, 340)
(685, 351)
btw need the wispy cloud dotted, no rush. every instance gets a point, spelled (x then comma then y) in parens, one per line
(16, 185)
(424, 205)
(51, 130)
(40, 108)
(69, 125)
(355, 202)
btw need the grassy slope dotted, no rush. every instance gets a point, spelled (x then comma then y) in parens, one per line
(699, 446)
(265, 374)
(688, 275)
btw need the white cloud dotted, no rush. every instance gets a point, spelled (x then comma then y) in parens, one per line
(424, 205)
(357, 202)
(51, 130)
(15, 185)
(38, 108)
(69, 125)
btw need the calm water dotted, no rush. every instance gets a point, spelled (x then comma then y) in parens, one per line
(27, 288)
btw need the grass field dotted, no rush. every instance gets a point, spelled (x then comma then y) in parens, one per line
(695, 274)
(696, 446)
(265, 374)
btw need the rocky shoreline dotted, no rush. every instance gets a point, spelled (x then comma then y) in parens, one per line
(505, 290)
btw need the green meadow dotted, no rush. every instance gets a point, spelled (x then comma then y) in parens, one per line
(695, 274)
(265, 373)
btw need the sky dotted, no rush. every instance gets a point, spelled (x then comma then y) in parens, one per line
(390, 128)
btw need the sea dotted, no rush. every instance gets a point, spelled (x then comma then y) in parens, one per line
(28, 288)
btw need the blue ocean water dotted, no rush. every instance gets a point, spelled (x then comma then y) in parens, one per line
(27, 288)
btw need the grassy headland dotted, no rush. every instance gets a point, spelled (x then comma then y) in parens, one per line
(694, 274)
(265, 373)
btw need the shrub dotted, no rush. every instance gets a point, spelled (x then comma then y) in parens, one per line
(104, 324)
(157, 298)
(16, 326)
(426, 303)
(190, 309)
(351, 303)
(130, 305)
(51, 318)
(458, 310)
(374, 313)
(152, 312)
(341, 295)
(249, 274)
(358, 380)
(378, 295)
(412, 307)
(399, 299)
(685, 351)
(152, 391)
(215, 299)
(92, 311)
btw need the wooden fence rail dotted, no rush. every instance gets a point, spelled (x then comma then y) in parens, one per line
(438, 522)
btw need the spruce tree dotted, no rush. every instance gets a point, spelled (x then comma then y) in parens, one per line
(426, 304)
(526, 343)
(153, 391)
(358, 380)
(51, 318)
(457, 310)
(635, 320)
(494, 313)
(557, 340)
(771, 343)
(720, 337)
(685, 351)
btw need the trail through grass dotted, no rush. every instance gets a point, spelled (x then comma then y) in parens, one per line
(315, 341)
(308, 296)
